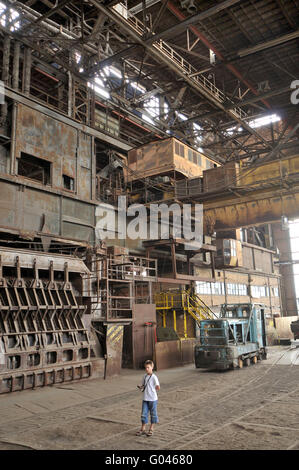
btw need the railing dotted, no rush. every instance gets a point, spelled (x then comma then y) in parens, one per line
(184, 65)
(184, 300)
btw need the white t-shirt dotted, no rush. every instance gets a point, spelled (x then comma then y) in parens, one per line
(150, 381)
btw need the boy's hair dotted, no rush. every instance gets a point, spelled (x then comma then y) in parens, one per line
(149, 362)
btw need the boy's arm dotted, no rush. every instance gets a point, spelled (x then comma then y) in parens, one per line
(157, 383)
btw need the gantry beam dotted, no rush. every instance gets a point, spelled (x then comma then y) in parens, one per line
(173, 66)
(268, 44)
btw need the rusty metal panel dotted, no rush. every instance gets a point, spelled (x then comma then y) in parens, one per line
(232, 212)
(263, 261)
(26, 209)
(78, 211)
(23, 208)
(69, 167)
(77, 220)
(35, 204)
(32, 207)
(152, 158)
(84, 183)
(187, 350)
(85, 150)
(69, 150)
(247, 257)
(187, 168)
(223, 176)
(163, 156)
(77, 232)
(174, 353)
(276, 192)
(85, 155)
(9, 201)
(143, 333)
(168, 354)
(43, 136)
(268, 171)
(114, 345)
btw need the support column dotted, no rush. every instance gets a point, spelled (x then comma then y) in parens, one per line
(27, 71)
(70, 95)
(60, 95)
(288, 291)
(5, 76)
(185, 325)
(16, 66)
(5, 60)
(174, 320)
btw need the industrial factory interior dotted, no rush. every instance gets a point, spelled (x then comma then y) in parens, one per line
(149, 226)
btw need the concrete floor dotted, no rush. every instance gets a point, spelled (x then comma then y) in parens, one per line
(252, 408)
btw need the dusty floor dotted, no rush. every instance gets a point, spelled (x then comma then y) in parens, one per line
(252, 408)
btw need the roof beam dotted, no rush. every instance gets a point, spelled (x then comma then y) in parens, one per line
(47, 15)
(173, 29)
(192, 19)
(160, 58)
(267, 44)
(251, 100)
(205, 41)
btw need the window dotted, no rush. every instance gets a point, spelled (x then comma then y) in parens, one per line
(217, 288)
(233, 248)
(179, 149)
(255, 292)
(34, 168)
(259, 291)
(203, 288)
(182, 151)
(209, 164)
(275, 291)
(242, 289)
(232, 289)
(239, 333)
(194, 157)
(68, 182)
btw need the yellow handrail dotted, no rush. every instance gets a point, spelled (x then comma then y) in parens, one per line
(190, 303)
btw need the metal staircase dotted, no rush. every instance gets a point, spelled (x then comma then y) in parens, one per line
(184, 300)
(196, 307)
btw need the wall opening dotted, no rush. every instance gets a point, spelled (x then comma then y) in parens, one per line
(68, 182)
(34, 168)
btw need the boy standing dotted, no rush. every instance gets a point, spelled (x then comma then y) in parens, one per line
(150, 386)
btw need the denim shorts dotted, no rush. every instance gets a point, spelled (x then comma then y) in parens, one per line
(149, 407)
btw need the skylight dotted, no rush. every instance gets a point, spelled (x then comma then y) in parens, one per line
(146, 118)
(110, 70)
(182, 117)
(264, 121)
(138, 87)
(9, 15)
(99, 87)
